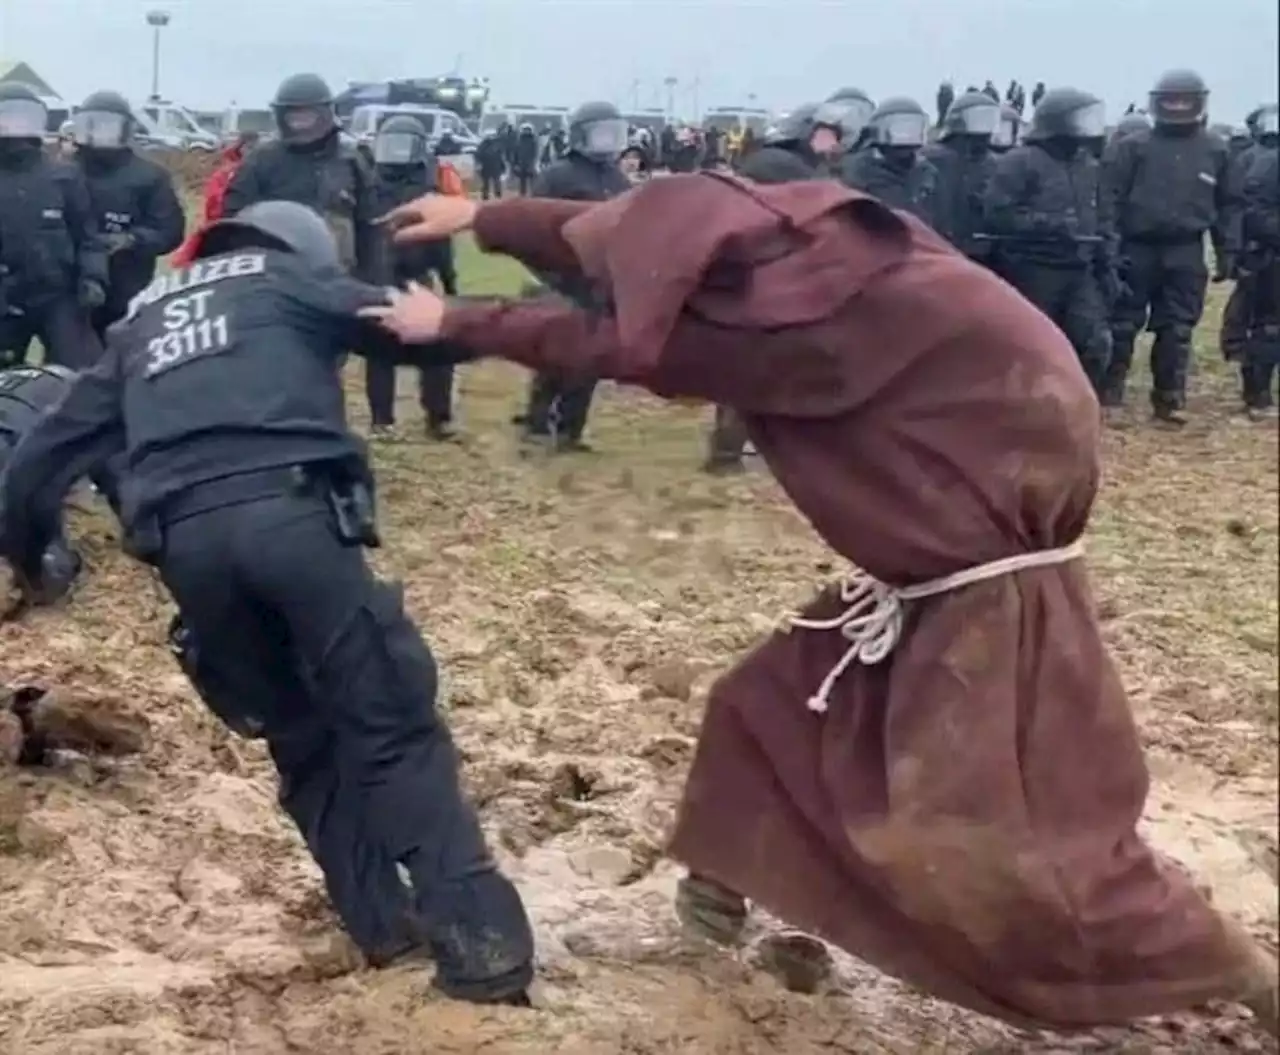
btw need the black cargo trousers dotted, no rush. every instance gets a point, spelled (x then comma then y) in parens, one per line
(296, 641)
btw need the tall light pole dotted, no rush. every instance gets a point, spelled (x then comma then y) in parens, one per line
(671, 83)
(157, 20)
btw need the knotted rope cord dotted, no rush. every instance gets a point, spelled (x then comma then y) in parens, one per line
(873, 611)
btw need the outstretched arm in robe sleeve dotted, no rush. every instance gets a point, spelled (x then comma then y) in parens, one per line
(529, 229)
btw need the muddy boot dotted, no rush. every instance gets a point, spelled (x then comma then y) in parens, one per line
(384, 434)
(441, 432)
(1166, 412)
(709, 911)
(573, 445)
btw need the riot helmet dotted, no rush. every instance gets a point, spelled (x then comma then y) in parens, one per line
(281, 225)
(401, 140)
(22, 114)
(1005, 137)
(1180, 99)
(1131, 124)
(899, 122)
(104, 121)
(1266, 122)
(1068, 113)
(304, 109)
(598, 131)
(795, 126)
(973, 114)
(847, 111)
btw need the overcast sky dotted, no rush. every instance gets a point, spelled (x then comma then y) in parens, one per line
(562, 51)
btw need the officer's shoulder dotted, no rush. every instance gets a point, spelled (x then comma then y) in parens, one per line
(64, 171)
(230, 274)
(150, 169)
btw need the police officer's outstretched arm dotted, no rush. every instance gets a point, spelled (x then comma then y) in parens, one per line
(82, 223)
(162, 225)
(370, 239)
(65, 445)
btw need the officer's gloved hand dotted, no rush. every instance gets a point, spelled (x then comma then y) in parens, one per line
(1225, 267)
(91, 294)
(118, 240)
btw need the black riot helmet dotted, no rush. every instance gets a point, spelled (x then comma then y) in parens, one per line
(1068, 113)
(104, 121)
(795, 126)
(598, 131)
(973, 114)
(1180, 99)
(304, 109)
(898, 122)
(1007, 132)
(401, 140)
(22, 114)
(851, 109)
(1264, 123)
(284, 225)
(1131, 124)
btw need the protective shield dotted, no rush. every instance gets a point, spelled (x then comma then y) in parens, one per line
(399, 148)
(96, 128)
(901, 130)
(22, 119)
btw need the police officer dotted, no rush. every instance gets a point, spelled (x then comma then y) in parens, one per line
(53, 265)
(134, 203)
(311, 164)
(491, 165)
(558, 407)
(1233, 333)
(1258, 288)
(524, 159)
(406, 169)
(963, 159)
(1169, 185)
(1051, 240)
(855, 108)
(890, 167)
(27, 393)
(222, 392)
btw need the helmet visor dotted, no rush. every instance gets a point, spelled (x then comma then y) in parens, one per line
(398, 148)
(1268, 122)
(1006, 134)
(979, 119)
(1178, 108)
(1088, 122)
(902, 130)
(23, 119)
(604, 139)
(97, 128)
(847, 116)
(305, 123)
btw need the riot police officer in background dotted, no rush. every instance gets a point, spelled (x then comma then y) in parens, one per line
(890, 167)
(855, 108)
(964, 162)
(804, 144)
(406, 169)
(312, 165)
(1050, 239)
(134, 203)
(1168, 186)
(53, 265)
(559, 406)
(222, 396)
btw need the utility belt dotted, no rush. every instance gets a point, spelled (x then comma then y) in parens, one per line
(348, 494)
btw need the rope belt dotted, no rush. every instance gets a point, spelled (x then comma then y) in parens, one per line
(873, 611)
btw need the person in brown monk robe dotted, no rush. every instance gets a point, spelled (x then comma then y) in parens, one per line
(935, 767)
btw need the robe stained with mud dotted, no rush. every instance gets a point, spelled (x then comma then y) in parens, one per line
(964, 816)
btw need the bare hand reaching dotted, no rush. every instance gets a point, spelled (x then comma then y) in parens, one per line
(414, 315)
(431, 217)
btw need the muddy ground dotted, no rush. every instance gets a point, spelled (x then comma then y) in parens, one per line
(156, 903)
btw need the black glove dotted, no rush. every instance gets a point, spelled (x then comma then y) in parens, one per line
(1225, 267)
(92, 294)
(119, 240)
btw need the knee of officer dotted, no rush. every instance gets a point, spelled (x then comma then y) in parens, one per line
(1180, 333)
(379, 674)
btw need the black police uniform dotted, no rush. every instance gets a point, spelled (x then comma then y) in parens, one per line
(1051, 236)
(1233, 334)
(399, 182)
(1260, 280)
(134, 204)
(785, 155)
(890, 166)
(244, 487)
(964, 162)
(558, 407)
(53, 264)
(524, 159)
(322, 171)
(491, 166)
(1168, 186)
(27, 393)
